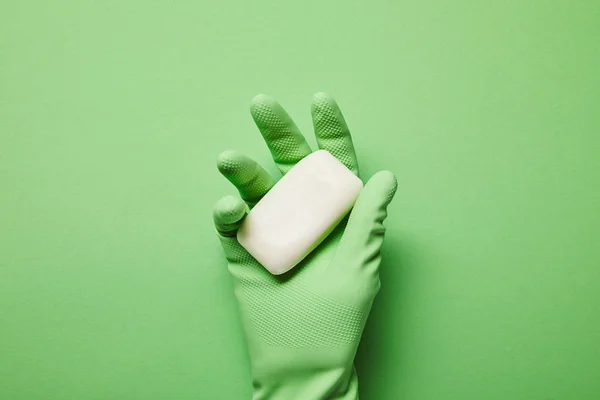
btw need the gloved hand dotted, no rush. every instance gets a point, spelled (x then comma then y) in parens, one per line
(303, 328)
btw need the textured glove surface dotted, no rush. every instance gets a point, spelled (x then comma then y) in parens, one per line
(303, 327)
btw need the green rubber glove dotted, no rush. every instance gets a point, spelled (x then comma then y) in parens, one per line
(303, 327)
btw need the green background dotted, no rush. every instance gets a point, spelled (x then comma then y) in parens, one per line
(112, 284)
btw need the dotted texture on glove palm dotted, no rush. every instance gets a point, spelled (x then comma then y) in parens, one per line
(291, 315)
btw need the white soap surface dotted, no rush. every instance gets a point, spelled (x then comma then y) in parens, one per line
(298, 213)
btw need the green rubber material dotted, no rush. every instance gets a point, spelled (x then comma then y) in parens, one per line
(303, 327)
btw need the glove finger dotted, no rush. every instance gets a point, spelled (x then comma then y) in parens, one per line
(286, 143)
(331, 130)
(250, 179)
(363, 237)
(228, 215)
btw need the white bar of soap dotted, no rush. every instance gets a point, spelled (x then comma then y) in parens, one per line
(298, 213)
